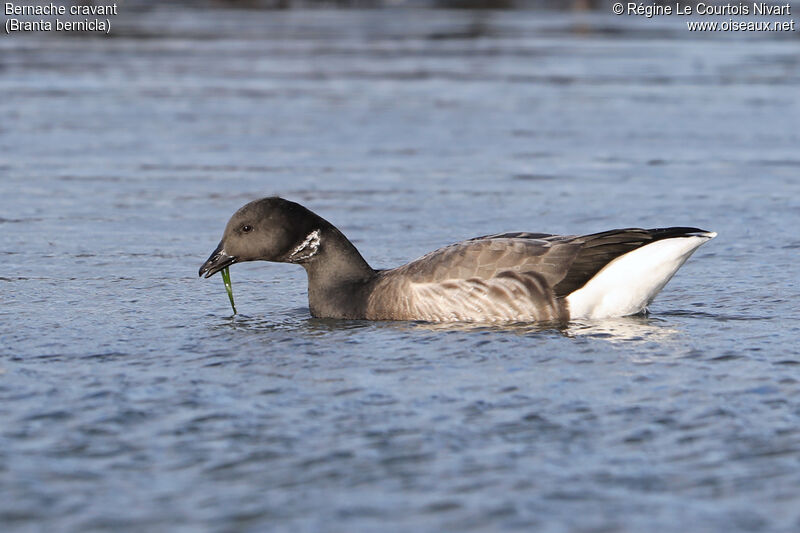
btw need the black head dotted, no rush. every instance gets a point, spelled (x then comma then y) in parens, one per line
(270, 229)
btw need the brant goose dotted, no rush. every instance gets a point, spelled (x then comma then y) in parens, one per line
(507, 277)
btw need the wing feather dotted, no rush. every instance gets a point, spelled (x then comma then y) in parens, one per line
(504, 277)
(487, 257)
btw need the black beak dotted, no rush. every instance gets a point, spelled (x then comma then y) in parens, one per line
(216, 262)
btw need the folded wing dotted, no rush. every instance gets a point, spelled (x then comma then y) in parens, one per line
(505, 277)
(495, 278)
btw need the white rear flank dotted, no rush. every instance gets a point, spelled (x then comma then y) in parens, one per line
(629, 283)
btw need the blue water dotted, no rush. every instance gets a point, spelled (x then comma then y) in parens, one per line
(131, 400)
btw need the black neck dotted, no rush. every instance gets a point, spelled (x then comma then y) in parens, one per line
(338, 277)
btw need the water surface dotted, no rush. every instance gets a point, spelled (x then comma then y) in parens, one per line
(131, 400)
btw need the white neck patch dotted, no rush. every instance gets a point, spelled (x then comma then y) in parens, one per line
(306, 249)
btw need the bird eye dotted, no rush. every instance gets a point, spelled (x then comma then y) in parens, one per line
(247, 228)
